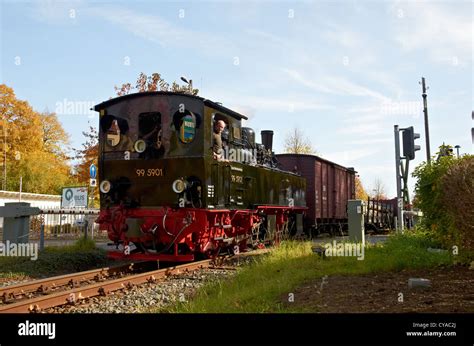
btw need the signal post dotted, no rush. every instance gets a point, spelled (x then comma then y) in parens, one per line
(402, 164)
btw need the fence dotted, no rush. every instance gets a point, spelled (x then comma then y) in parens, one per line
(63, 225)
(41, 201)
(66, 224)
(380, 214)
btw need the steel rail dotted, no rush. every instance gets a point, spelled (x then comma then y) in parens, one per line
(46, 285)
(99, 289)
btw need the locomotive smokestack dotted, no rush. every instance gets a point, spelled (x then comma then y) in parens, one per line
(267, 139)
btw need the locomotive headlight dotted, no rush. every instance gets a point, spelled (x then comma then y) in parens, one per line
(179, 185)
(140, 146)
(105, 186)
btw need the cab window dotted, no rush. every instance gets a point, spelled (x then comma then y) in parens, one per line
(150, 132)
(116, 133)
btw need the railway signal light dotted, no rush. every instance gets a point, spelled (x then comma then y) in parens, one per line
(409, 146)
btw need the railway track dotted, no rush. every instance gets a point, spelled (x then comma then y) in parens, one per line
(56, 283)
(39, 295)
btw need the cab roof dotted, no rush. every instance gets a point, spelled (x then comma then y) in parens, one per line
(207, 102)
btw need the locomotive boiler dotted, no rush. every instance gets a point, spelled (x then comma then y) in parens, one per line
(165, 196)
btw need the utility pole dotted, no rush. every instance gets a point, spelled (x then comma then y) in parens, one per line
(425, 111)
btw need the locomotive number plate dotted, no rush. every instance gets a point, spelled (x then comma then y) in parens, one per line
(150, 172)
(237, 179)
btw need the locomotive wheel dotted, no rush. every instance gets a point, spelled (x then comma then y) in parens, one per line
(212, 253)
(285, 231)
(269, 237)
(279, 235)
(274, 238)
(254, 239)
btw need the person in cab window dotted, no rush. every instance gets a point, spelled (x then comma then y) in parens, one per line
(154, 149)
(217, 149)
(116, 139)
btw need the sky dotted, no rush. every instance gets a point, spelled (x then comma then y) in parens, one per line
(345, 72)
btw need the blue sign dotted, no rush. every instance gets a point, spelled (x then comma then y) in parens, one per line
(93, 171)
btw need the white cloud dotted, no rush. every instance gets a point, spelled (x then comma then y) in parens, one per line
(156, 29)
(147, 26)
(429, 26)
(256, 103)
(266, 37)
(372, 141)
(343, 37)
(366, 128)
(55, 12)
(349, 157)
(334, 85)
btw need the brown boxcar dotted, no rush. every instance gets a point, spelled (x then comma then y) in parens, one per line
(328, 188)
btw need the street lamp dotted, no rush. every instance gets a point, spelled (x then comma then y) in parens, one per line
(457, 149)
(189, 83)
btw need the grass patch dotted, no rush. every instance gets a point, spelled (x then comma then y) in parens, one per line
(55, 260)
(260, 287)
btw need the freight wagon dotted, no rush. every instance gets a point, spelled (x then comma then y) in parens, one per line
(328, 188)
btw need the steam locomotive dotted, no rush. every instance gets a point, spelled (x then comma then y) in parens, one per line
(164, 196)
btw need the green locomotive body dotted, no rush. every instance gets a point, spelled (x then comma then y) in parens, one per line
(157, 171)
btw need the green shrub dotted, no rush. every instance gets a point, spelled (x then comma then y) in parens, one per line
(445, 194)
(84, 244)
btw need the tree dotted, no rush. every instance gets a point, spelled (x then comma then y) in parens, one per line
(445, 150)
(55, 138)
(87, 156)
(378, 190)
(41, 172)
(360, 192)
(154, 82)
(297, 143)
(35, 146)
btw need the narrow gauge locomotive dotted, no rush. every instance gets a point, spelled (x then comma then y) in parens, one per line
(162, 190)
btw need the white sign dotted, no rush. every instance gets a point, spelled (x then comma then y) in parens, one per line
(74, 197)
(93, 182)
